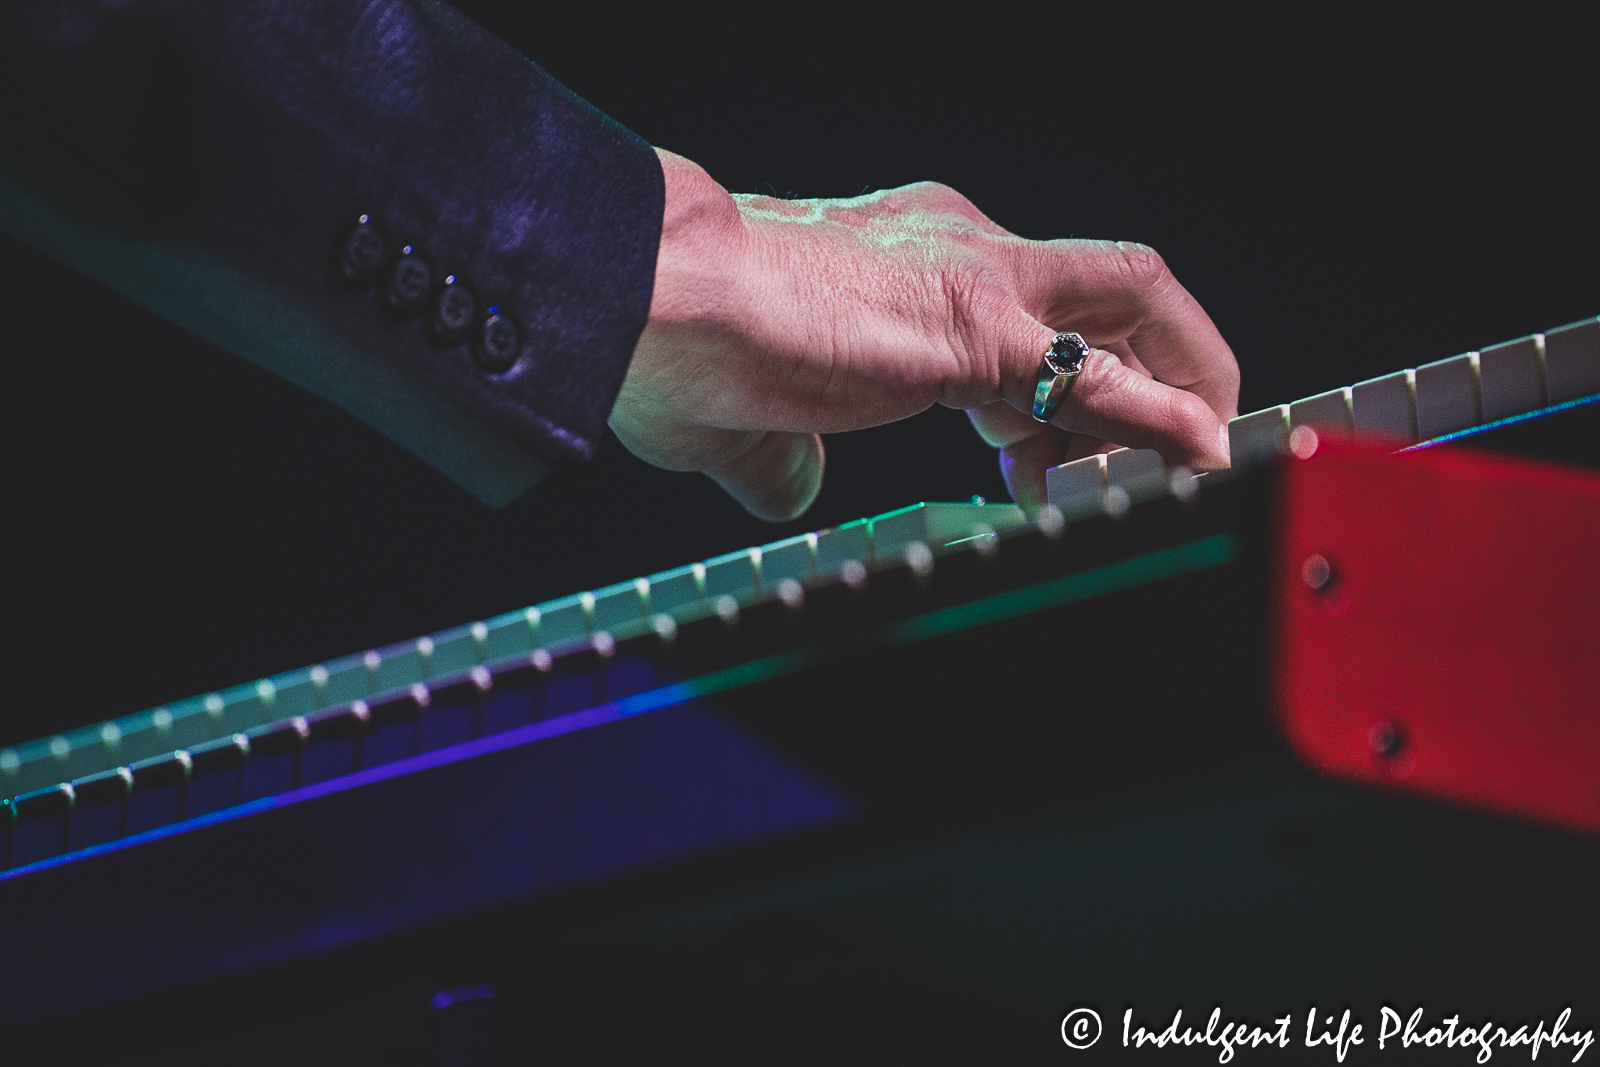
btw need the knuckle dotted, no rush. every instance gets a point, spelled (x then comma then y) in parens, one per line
(969, 321)
(941, 198)
(935, 191)
(1143, 265)
(962, 299)
(974, 308)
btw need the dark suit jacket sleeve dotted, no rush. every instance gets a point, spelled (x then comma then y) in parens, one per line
(212, 159)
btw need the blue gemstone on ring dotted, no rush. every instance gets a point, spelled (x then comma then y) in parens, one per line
(1062, 363)
(1067, 353)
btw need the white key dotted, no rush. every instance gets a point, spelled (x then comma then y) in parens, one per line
(1447, 396)
(560, 620)
(735, 574)
(677, 588)
(937, 525)
(943, 524)
(1328, 412)
(1139, 471)
(619, 605)
(1386, 405)
(1075, 483)
(793, 558)
(1510, 379)
(1259, 436)
(838, 545)
(1572, 360)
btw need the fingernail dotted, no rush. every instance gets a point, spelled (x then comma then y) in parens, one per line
(1222, 444)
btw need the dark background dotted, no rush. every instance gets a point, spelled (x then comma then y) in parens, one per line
(1347, 194)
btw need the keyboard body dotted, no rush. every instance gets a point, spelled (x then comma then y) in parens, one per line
(965, 778)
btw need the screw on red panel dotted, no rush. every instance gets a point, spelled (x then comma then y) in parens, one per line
(1385, 739)
(1317, 572)
(1389, 744)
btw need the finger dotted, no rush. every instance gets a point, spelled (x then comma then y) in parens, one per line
(1083, 446)
(1000, 424)
(1025, 461)
(675, 445)
(1121, 350)
(1116, 403)
(1109, 291)
(776, 480)
(1029, 448)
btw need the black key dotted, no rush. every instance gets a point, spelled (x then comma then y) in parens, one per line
(521, 672)
(462, 688)
(277, 738)
(401, 707)
(223, 754)
(8, 822)
(163, 771)
(101, 813)
(51, 802)
(107, 787)
(347, 720)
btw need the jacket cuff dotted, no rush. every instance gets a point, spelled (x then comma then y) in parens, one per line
(377, 200)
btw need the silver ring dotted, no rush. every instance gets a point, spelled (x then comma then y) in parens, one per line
(1062, 363)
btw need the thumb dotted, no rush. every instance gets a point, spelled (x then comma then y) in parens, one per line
(778, 478)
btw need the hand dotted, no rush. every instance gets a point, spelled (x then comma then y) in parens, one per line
(775, 320)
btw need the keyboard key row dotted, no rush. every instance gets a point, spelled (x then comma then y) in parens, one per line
(619, 609)
(1407, 406)
(1440, 398)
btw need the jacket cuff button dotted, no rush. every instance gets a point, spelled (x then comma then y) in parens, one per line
(497, 342)
(453, 310)
(409, 280)
(363, 250)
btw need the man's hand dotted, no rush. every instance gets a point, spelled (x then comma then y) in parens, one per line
(775, 320)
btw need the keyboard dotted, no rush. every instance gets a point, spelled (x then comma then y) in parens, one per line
(1522, 379)
(841, 684)
(1446, 400)
(617, 612)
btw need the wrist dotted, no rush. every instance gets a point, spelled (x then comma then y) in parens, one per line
(696, 265)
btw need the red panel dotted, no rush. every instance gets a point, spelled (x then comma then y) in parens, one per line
(1462, 619)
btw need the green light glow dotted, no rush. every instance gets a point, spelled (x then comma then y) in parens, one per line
(1215, 551)
(1141, 570)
